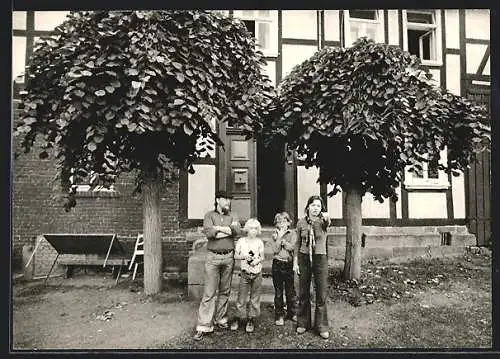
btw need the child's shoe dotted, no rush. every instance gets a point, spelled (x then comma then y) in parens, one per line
(280, 321)
(250, 325)
(234, 325)
(301, 330)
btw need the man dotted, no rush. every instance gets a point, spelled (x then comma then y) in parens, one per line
(222, 228)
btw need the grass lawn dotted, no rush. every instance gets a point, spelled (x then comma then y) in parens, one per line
(433, 303)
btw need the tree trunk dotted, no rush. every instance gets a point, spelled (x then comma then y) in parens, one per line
(352, 267)
(153, 255)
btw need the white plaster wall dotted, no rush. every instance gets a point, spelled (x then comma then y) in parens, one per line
(294, 55)
(458, 195)
(18, 55)
(306, 186)
(427, 205)
(300, 24)
(48, 20)
(270, 70)
(392, 18)
(332, 25)
(334, 204)
(19, 20)
(477, 24)
(486, 70)
(201, 191)
(453, 73)
(370, 208)
(452, 28)
(399, 212)
(474, 54)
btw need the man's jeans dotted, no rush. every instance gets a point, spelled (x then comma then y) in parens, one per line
(249, 283)
(318, 269)
(216, 291)
(283, 280)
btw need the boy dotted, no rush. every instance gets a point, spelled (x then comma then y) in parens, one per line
(284, 241)
(250, 250)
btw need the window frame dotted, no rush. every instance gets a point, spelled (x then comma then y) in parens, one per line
(272, 20)
(436, 34)
(442, 182)
(379, 22)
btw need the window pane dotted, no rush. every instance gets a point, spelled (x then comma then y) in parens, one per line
(49, 20)
(433, 169)
(264, 35)
(250, 25)
(19, 20)
(363, 14)
(362, 29)
(426, 46)
(354, 34)
(18, 55)
(421, 18)
(414, 42)
(371, 31)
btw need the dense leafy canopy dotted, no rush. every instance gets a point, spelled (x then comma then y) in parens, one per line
(118, 91)
(361, 114)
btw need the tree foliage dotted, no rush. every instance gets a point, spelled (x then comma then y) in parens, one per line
(119, 91)
(364, 113)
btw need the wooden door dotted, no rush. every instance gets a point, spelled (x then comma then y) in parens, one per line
(478, 181)
(237, 172)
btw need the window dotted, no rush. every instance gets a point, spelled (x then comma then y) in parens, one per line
(263, 25)
(422, 34)
(363, 23)
(84, 184)
(431, 177)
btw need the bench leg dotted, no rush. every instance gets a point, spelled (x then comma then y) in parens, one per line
(69, 271)
(119, 272)
(50, 271)
(135, 270)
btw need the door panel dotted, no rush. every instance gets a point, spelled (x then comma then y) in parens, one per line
(238, 172)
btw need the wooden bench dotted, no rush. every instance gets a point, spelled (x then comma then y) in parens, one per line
(71, 263)
(95, 249)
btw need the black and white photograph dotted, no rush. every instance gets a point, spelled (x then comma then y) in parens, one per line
(290, 180)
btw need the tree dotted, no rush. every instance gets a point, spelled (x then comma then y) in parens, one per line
(136, 91)
(365, 113)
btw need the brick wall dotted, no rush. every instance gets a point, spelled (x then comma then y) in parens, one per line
(35, 211)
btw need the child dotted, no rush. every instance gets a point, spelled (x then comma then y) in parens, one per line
(250, 250)
(284, 241)
(311, 260)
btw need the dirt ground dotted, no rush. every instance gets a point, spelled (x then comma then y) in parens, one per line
(90, 312)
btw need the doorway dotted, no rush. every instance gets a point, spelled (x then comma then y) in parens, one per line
(270, 181)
